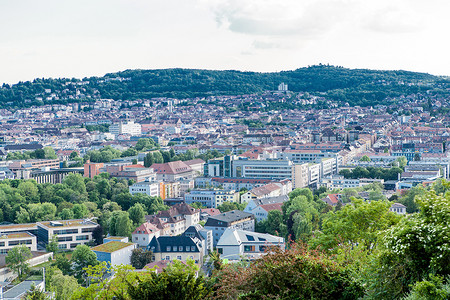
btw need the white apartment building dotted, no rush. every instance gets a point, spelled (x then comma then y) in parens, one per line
(339, 182)
(300, 176)
(150, 188)
(126, 127)
(211, 198)
(314, 174)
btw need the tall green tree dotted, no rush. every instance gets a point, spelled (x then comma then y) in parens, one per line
(137, 214)
(63, 285)
(357, 223)
(17, 258)
(82, 257)
(140, 257)
(50, 153)
(75, 182)
(120, 224)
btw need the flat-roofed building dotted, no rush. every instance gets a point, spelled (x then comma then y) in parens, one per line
(11, 240)
(71, 233)
(25, 227)
(211, 198)
(114, 252)
(147, 187)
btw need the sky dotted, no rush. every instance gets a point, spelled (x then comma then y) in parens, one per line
(82, 38)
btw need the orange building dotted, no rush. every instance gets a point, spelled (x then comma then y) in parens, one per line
(92, 169)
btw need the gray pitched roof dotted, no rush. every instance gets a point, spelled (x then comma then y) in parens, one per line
(228, 217)
(160, 244)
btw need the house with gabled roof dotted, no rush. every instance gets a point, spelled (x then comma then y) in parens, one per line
(173, 171)
(176, 219)
(332, 199)
(265, 191)
(261, 212)
(178, 247)
(145, 233)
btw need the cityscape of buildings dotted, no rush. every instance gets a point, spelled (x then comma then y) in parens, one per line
(260, 157)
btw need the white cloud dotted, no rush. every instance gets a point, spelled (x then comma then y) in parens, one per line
(279, 18)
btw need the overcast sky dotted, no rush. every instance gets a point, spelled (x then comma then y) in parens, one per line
(68, 38)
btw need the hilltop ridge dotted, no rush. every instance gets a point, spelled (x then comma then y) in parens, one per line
(354, 86)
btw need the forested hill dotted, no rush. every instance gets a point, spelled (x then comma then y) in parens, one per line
(355, 86)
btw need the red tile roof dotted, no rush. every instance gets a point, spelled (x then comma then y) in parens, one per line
(173, 167)
(211, 211)
(272, 206)
(134, 166)
(265, 189)
(146, 228)
(334, 198)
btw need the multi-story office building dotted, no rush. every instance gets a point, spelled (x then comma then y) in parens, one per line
(278, 169)
(71, 233)
(11, 240)
(220, 167)
(301, 175)
(307, 156)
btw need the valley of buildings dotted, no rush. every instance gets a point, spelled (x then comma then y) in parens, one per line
(268, 153)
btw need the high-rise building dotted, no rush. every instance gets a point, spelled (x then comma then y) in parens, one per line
(126, 127)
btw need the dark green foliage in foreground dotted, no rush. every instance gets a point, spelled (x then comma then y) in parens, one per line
(177, 282)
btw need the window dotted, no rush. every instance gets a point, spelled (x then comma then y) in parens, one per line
(179, 257)
(64, 238)
(82, 237)
(220, 250)
(167, 257)
(14, 243)
(192, 248)
(65, 231)
(249, 248)
(84, 230)
(136, 238)
(2, 244)
(188, 248)
(62, 246)
(168, 248)
(180, 248)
